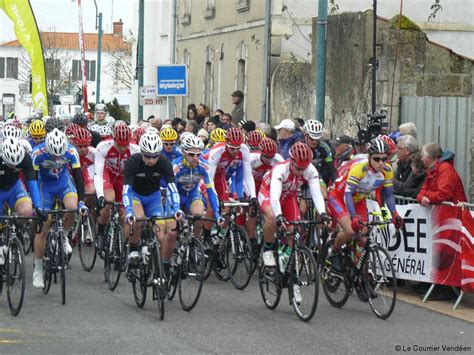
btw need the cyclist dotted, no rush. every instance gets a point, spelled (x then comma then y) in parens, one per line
(51, 160)
(37, 132)
(110, 159)
(82, 141)
(11, 131)
(347, 199)
(253, 140)
(100, 114)
(137, 134)
(217, 136)
(190, 170)
(142, 195)
(170, 150)
(82, 120)
(54, 122)
(105, 132)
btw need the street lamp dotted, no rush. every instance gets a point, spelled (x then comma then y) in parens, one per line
(98, 26)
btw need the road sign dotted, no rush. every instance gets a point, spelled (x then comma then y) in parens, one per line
(67, 99)
(28, 100)
(172, 80)
(148, 96)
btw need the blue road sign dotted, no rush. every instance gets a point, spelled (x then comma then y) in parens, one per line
(172, 80)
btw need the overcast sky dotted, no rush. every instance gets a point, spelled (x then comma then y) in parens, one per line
(62, 16)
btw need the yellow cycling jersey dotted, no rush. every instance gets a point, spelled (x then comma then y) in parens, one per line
(361, 180)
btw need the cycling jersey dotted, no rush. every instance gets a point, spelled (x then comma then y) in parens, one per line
(189, 179)
(109, 167)
(281, 184)
(33, 143)
(145, 180)
(259, 168)
(222, 165)
(88, 166)
(323, 161)
(174, 154)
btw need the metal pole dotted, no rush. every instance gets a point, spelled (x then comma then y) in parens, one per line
(374, 59)
(141, 30)
(99, 60)
(266, 61)
(171, 100)
(321, 59)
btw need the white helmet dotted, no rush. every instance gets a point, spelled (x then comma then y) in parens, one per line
(100, 108)
(104, 130)
(150, 143)
(56, 142)
(151, 129)
(191, 141)
(110, 121)
(314, 129)
(10, 130)
(13, 151)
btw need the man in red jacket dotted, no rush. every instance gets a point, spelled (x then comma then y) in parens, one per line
(443, 182)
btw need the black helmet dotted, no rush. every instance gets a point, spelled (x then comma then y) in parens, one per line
(378, 146)
(54, 122)
(80, 119)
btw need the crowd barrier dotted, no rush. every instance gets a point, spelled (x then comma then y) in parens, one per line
(436, 246)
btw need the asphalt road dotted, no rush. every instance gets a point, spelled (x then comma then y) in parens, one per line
(98, 321)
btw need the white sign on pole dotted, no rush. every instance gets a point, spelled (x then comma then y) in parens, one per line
(67, 99)
(148, 96)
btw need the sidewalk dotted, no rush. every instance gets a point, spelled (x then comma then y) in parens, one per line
(465, 309)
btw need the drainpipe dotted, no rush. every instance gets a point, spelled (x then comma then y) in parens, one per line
(321, 59)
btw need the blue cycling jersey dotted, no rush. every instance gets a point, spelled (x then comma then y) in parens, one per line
(174, 154)
(188, 180)
(52, 168)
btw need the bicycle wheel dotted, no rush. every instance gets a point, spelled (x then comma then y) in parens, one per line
(114, 258)
(27, 237)
(270, 283)
(382, 282)
(159, 282)
(139, 286)
(335, 284)
(172, 285)
(62, 266)
(209, 255)
(49, 262)
(15, 272)
(191, 274)
(219, 262)
(239, 257)
(305, 276)
(86, 244)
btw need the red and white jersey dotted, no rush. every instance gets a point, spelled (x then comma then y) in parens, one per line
(109, 158)
(87, 164)
(221, 162)
(280, 183)
(259, 168)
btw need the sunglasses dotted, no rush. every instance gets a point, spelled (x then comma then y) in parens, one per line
(169, 144)
(379, 159)
(82, 146)
(266, 157)
(148, 156)
(233, 148)
(195, 155)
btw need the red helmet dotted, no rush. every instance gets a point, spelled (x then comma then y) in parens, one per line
(82, 136)
(253, 139)
(234, 137)
(268, 147)
(301, 154)
(137, 134)
(122, 134)
(71, 130)
(392, 147)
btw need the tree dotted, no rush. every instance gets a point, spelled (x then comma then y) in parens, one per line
(117, 111)
(120, 65)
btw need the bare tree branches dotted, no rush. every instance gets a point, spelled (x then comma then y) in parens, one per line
(120, 66)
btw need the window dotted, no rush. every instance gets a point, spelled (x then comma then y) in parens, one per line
(186, 19)
(241, 75)
(12, 68)
(210, 11)
(52, 67)
(208, 75)
(241, 58)
(77, 70)
(90, 70)
(2, 67)
(242, 5)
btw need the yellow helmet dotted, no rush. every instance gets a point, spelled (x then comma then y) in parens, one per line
(262, 133)
(168, 134)
(218, 135)
(37, 129)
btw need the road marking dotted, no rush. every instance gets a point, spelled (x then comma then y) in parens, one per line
(7, 341)
(9, 330)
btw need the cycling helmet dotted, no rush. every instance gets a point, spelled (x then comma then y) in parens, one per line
(110, 121)
(150, 143)
(262, 133)
(80, 119)
(301, 154)
(38, 113)
(218, 135)
(392, 147)
(100, 108)
(253, 139)
(152, 130)
(15, 122)
(122, 134)
(104, 130)
(268, 147)
(192, 142)
(13, 151)
(12, 131)
(56, 142)
(137, 134)
(314, 129)
(377, 146)
(234, 137)
(120, 122)
(71, 130)
(82, 136)
(37, 129)
(168, 135)
(54, 122)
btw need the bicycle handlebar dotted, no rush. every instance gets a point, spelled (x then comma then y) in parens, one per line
(59, 211)
(17, 217)
(198, 218)
(235, 204)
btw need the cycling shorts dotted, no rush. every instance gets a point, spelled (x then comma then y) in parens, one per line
(289, 206)
(152, 205)
(187, 200)
(337, 206)
(221, 186)
(113, 182)
(49, 189)
(17, 193)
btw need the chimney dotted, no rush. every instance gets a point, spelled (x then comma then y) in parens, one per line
(118, 28)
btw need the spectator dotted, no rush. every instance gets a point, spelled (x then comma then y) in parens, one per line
(287, 136)
(219, 113)
(406, 147)
(213, 123)
(191, 126)
(150, 118)
(412, 185)
(343, 149)
(191, 114)
(300, 123)
(204, 135)
(226, 118)
(156, 122)
(443, 182)
(181, 126)
(360, 147)
(247, 126)
(408, 128)
(191, 107)
(238, 102)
